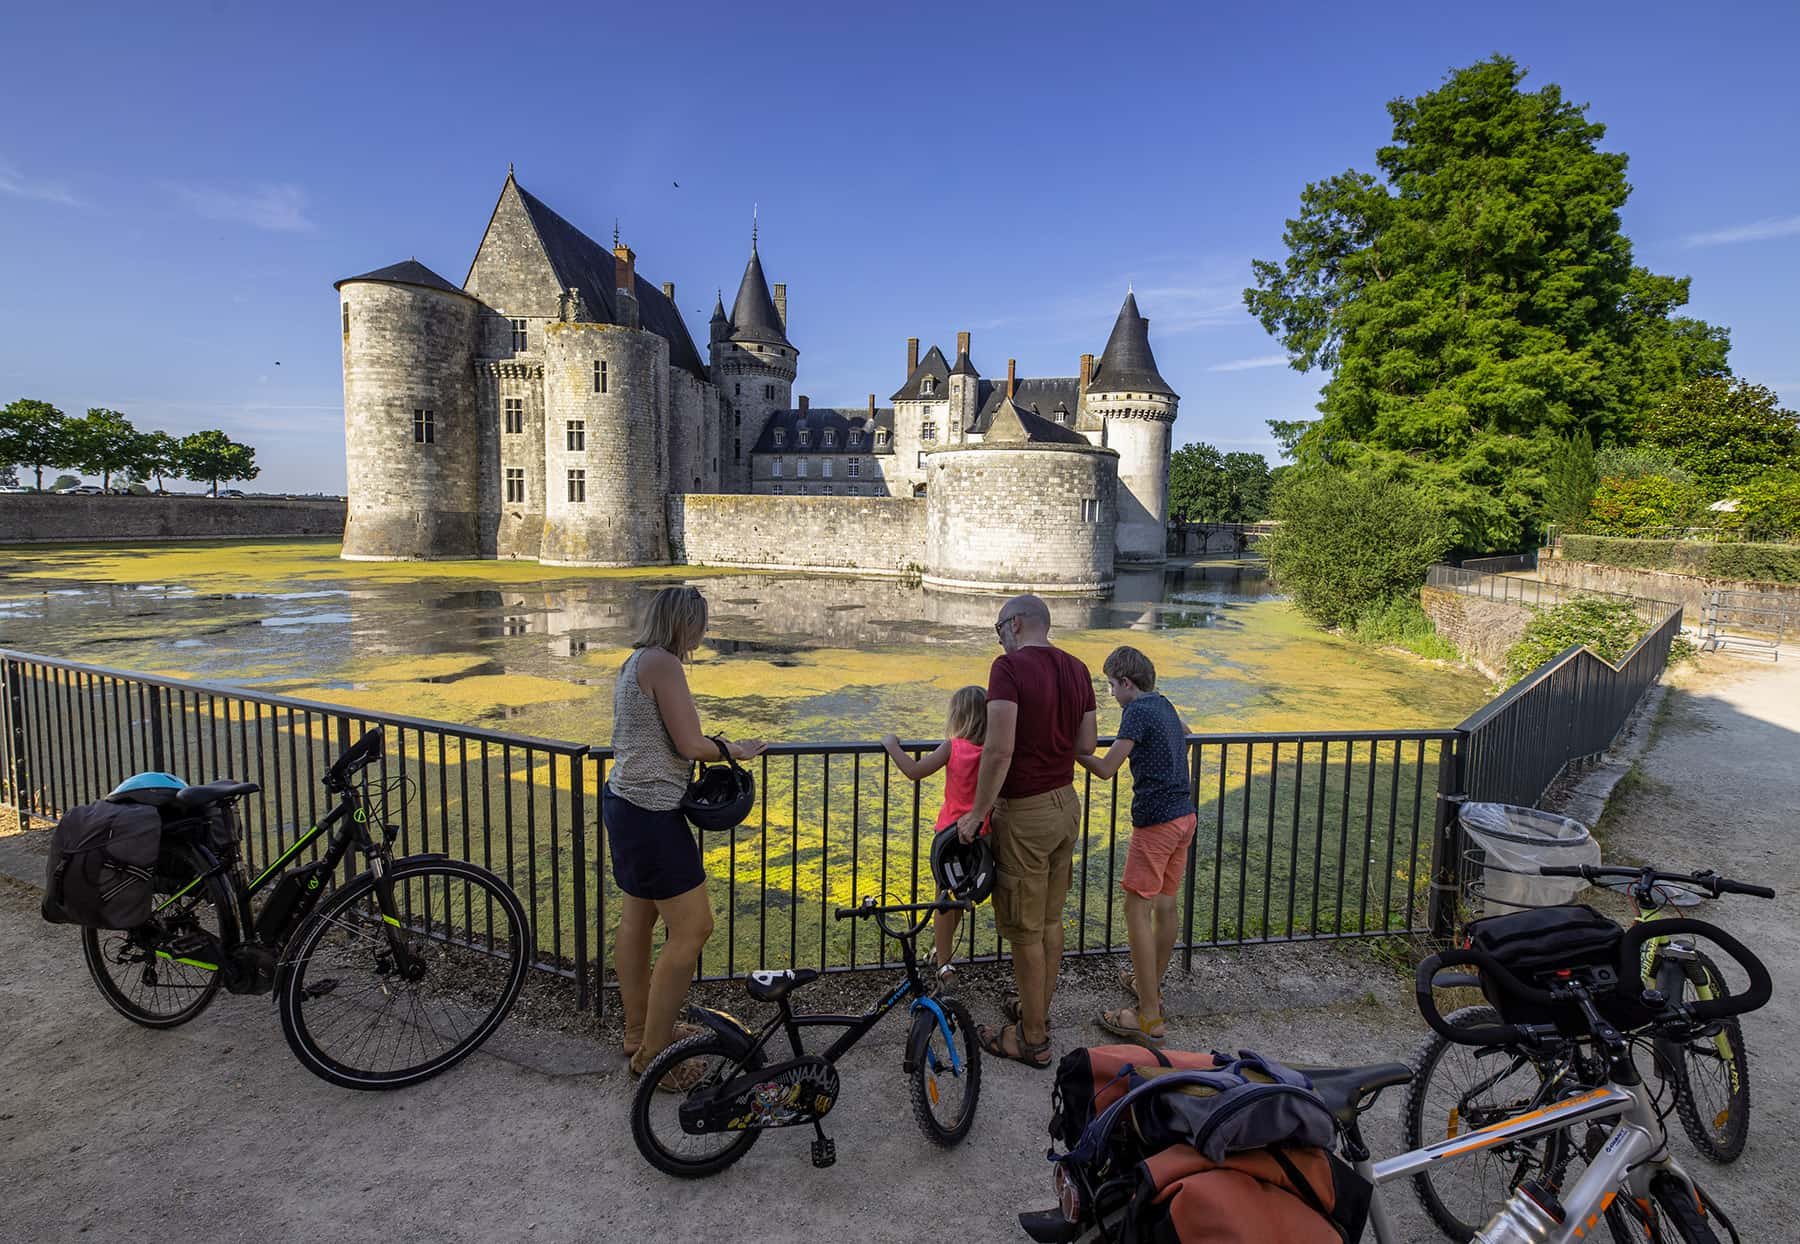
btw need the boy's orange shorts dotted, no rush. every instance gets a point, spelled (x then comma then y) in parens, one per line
(1157, 856)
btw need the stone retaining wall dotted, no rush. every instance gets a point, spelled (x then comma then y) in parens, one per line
(1481, 629)
(40, 518)
(861, 535)
(1688, 591)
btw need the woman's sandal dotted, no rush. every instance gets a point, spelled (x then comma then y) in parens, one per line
(994, 1043)
(1114, 1022)
(680, 1032)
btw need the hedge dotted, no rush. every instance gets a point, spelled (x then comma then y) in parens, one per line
(1755, 563)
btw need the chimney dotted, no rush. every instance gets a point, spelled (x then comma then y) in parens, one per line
(1012, 366)
(781, 304)
(871, 405)
(912, 355)
(1087, 374)
(805, 403)
(625, 264)
(669, 290)
(962, 344)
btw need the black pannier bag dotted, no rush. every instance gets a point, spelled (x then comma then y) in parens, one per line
(216, 827)
(1538, 944)
(101, 866)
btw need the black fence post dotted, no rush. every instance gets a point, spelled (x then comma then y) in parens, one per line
(1187, 920)
(20, 767)
(159, 754)
(578, 869)
(1446, 862)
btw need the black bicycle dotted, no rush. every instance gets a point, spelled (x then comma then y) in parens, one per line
(384, 981)
(703, 1101)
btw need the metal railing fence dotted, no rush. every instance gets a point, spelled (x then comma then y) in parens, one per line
(1534, 593)
(1500, 564)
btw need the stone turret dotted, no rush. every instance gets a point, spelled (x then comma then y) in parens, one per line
(412, 445)
(1137, 409)
(753, 364)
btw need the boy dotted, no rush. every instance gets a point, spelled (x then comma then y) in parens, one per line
(1162, 826)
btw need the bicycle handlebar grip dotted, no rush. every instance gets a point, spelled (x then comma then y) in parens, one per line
(1485, 1034)
(1761, 989)
(848, 913)
(1741, 887)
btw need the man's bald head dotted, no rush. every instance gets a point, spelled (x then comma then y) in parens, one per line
(1023, 619)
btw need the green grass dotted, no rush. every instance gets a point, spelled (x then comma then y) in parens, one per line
(1400, 622)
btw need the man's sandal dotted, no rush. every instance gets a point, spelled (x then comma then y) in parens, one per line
(1014, 1010)
(1114, 1022)
(993, 1043)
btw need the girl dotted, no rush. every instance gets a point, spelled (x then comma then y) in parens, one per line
(961, 751)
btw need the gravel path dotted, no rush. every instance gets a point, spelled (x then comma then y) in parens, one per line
(213, 1132)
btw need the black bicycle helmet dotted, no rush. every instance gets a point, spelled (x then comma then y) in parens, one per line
(720, 796)
(966, 869)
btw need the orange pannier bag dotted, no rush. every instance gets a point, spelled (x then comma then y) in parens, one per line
(1246, 1199)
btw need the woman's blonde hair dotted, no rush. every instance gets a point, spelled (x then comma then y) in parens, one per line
(968, 715)
(674, 622)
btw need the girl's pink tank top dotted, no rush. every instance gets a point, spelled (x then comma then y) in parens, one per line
(960, 776)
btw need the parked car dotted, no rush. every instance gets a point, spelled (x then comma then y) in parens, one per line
(234, 494)
(16, 488)
(82, 490)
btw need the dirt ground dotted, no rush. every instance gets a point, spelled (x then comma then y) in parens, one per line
(213, 1132)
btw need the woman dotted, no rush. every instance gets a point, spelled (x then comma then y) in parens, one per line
(656, 738)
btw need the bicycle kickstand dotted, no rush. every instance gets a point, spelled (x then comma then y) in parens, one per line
(824, 1149)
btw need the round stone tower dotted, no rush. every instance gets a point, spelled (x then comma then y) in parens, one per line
(411, 442)
(754, 365)
(1138, 408)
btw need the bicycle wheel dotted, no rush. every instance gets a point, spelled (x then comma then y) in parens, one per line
(943, 1097)
(1457, 1089)
(137, 974)
(1682, 1214)
(359, 1016)
(1711, 1072)
(696, 1063)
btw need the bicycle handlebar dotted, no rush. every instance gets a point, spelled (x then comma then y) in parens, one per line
(362, 753)
(868, 908)
(1761, 989)
(1706, 879)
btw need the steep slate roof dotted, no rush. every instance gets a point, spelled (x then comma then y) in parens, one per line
(409, 272)
(583, 263)
(932, 364)
(1013, 425)
(839, 419)
(1040, 396)
(1127, 365)
(962, 366)
(753, 315)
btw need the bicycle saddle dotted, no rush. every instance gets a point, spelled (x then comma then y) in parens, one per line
(774, 986)
(191, 797)
(1348, 1091)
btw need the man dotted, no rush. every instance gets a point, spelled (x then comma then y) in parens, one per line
(1040, 716)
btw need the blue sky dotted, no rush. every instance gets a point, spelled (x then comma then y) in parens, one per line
(180, 184)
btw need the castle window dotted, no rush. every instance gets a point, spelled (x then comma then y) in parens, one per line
(778, 489)
(424, 426)
(928, 431)
(737, 421)
(737, 451)
(577, 436)
(805, 438)
(880, 437)
(515, 414)
(825, 467)
(828, 490)
(599, 375)
(800, 468)
(1090, 510)
(578, 485)
(830, 438)
(1062, 413)
(775, 467)
(519, 338)
(855, 468)
(780, 438)
(737, 388)
(928, 386)
(921, 459)
(346, 321)
(515, 484)
(855, 440)
(769, 392)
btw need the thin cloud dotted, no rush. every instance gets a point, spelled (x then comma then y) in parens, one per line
(1261, 360)
(19, 186)
(276, 207)
(1757, 231)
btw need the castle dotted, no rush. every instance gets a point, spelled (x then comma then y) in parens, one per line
(555, 407)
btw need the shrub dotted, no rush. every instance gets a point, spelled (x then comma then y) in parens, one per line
(1348, 541)
(1608, 627)
(1768, 509)
(1401, 622)
(1623, 505)
(1756, 563)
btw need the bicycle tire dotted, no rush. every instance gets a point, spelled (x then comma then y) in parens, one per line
(655, 1150)
(1723, 1138)
(177, 865)
(450, 955)
(930, 1065)
(1461, 1221)
(1681, 1211)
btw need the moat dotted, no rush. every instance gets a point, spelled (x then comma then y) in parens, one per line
(533, 649)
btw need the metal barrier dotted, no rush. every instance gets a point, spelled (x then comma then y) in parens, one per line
(1501, 564)
(1534, 593)
(1753, 623)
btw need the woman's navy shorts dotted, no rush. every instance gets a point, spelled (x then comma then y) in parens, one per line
(654, 855)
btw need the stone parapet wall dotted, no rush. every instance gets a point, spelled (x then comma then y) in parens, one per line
(1688, 591)
(38, 518)
(1482, 630)
(862, 535)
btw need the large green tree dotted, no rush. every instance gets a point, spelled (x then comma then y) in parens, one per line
(1724, 433)
(212, 456)
(1206, 486)
(103, 442)
(34, 433)
(160, 456)
(1477, 300)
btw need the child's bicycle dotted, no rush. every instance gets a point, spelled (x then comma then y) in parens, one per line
(703, 1101)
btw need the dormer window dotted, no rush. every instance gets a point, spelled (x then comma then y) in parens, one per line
(880, 438)
(805, 438)
(830, 441)
(780, 438)
(928, 386)
(856, 440)
(1062, 413)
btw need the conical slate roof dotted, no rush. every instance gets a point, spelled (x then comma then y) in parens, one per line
(408, 272)
(963, 366)
(1127, 365)
(753, 315)
(718, 308)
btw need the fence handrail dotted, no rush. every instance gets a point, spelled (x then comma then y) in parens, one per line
(802, 748)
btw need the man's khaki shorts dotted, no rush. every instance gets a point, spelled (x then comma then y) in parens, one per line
(1034, 842)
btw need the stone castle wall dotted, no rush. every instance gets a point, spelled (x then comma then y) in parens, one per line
(1036, 517)
(31, 518)
(863, 535)
(1481, 629)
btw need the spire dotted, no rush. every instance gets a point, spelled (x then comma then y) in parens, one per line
(719, 307)
(1127, 365)
(615, 233)
(753, 315)
(753, 208)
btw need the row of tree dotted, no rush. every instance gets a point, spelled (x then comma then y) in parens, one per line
(38, 436)
(1206, 486)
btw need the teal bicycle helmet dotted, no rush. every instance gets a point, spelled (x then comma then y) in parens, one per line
(152, 788)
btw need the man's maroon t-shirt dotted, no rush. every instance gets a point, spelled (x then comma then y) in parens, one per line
(1054, 692)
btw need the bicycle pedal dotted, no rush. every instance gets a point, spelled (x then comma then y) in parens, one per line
(824, 1152)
